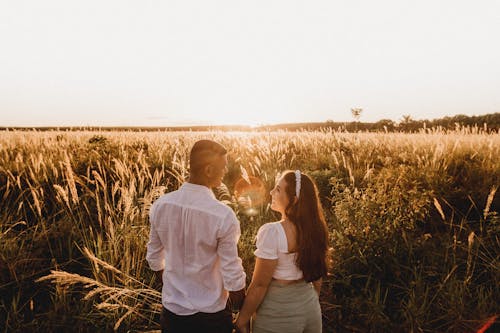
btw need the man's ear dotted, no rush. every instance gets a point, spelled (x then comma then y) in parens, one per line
(209, 169)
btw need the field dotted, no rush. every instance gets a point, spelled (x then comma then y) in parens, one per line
(413, 220)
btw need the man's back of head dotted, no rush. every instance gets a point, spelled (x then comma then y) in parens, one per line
(203, 153)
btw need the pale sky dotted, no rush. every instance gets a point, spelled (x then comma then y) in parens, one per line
(164, 63)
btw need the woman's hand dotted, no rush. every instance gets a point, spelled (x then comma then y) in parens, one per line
(262, 276)
(242, 327)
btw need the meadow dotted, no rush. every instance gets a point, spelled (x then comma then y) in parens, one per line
(413, 220)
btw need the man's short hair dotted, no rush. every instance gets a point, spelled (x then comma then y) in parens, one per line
(204, 152)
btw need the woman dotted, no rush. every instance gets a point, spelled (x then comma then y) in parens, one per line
(291, 262)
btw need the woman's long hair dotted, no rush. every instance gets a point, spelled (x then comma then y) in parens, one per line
(306, 214)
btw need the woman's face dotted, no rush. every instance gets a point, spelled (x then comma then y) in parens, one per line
(279, 198)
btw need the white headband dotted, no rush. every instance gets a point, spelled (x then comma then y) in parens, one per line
(297, 183)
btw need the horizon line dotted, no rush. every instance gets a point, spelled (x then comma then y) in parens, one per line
(328, 122)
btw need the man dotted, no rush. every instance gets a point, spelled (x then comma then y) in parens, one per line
(193, 246)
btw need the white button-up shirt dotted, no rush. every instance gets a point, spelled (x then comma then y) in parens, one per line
(194, 240)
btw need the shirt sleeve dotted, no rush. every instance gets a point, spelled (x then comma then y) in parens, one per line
(155, 254)
(233, 274)
(267, 242)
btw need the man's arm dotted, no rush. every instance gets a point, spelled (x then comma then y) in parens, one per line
(236, 299)
(232, 271)
(158, 280)
(155, 254)
(159, 275)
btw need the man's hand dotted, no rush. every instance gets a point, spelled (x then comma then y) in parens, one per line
(236, 299)
(159, 279)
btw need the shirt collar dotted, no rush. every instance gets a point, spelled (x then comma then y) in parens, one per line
(198, 188)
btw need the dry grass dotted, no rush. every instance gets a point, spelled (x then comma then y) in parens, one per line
(74, 209)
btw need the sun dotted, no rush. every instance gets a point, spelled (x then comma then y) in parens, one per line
(250, 192)
(233, 118)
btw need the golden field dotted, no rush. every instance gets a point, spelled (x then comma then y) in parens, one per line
(413, 220)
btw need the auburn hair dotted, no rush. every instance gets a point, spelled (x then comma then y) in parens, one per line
(306, 213)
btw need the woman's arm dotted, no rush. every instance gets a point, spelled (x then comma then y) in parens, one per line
(261, 278)
(317, 285)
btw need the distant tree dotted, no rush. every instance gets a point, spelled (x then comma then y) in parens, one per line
(406, 123)
(406, 119)
(385, 124)
(356, 113)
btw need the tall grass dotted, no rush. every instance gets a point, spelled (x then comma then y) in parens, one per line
(413, 221)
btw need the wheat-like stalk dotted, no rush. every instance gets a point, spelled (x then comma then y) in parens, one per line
(108, 298)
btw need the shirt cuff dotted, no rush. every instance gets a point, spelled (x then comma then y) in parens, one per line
(237, 284)
(157, 265)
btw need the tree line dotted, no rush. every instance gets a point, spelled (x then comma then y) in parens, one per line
(486, 123)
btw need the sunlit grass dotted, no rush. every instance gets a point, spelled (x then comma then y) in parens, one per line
(413, 223)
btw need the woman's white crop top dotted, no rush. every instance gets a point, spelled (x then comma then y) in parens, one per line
(272, 244)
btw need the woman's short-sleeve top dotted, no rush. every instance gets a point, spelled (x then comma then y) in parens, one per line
(272, 244)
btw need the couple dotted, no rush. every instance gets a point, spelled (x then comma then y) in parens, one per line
(193, 249)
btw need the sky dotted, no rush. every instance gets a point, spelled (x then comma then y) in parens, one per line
(173, 63)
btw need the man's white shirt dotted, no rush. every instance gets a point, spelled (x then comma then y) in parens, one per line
(194, 238)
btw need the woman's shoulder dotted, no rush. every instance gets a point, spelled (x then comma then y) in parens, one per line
(268, 241)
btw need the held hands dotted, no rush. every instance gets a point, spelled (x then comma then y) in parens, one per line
(236, 299)
(241, 327)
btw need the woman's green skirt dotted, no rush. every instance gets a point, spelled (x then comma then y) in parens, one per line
(289, 308)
